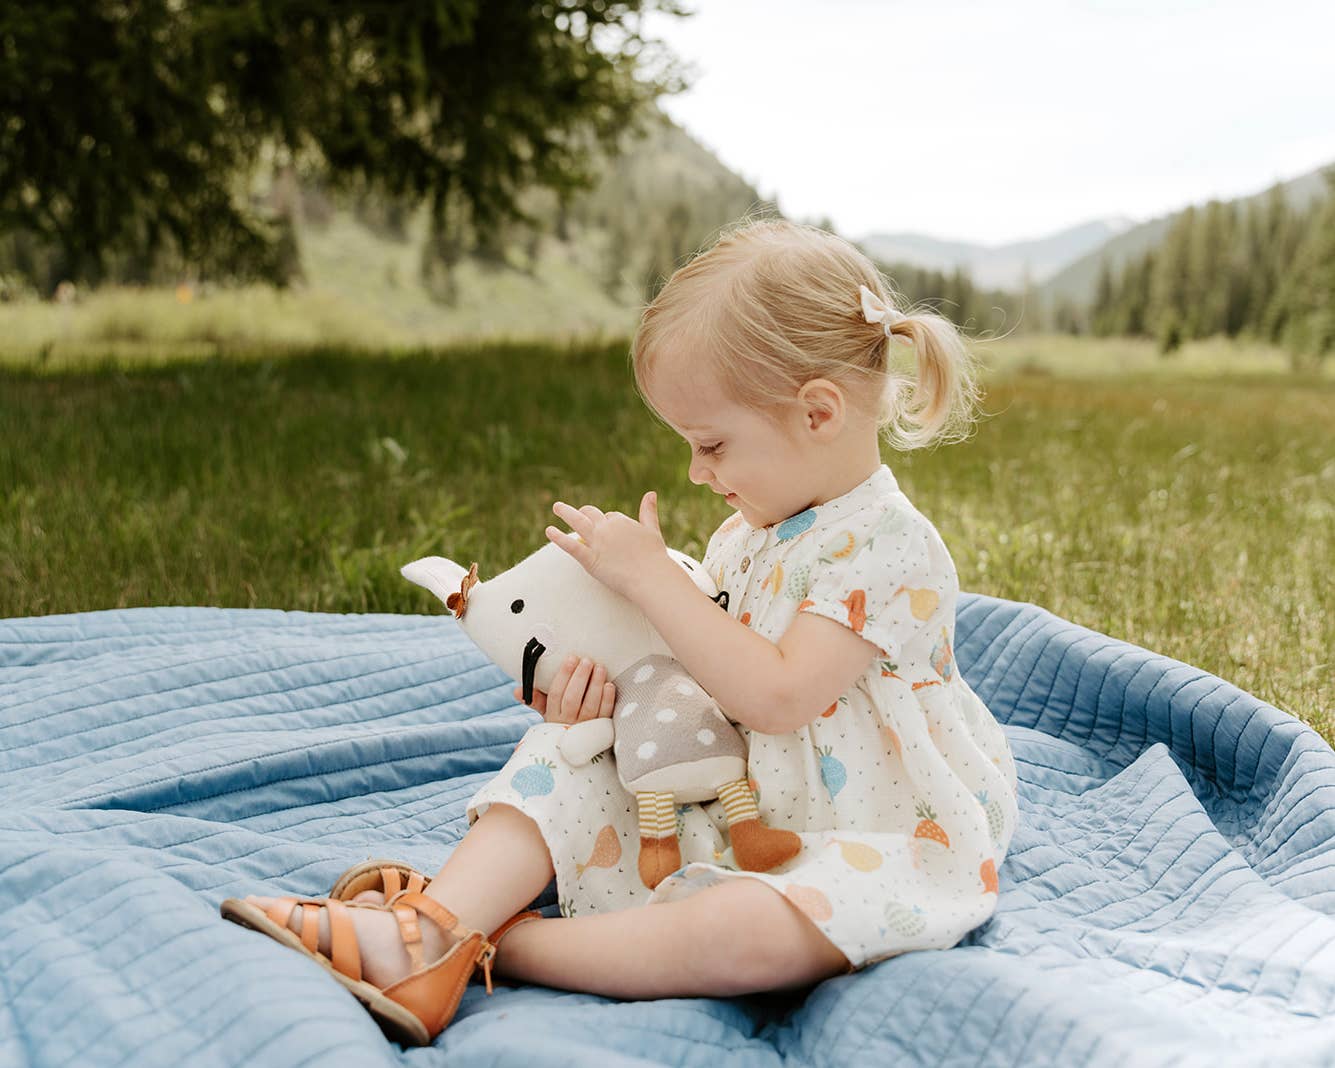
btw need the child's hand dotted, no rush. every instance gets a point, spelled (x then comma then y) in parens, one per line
(579, 691)
(616, 550)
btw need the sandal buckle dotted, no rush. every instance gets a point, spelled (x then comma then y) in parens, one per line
(488, 952)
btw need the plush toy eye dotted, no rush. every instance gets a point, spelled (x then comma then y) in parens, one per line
(516, 607)
(687, 566)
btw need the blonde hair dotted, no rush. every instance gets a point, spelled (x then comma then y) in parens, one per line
(774, 304)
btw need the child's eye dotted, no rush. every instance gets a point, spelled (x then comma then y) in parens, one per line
(708, 450)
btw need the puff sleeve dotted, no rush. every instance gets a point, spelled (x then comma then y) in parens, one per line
(712, 561)
(886, 579)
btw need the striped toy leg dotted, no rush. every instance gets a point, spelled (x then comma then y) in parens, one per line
(660, 853)
(756, 847)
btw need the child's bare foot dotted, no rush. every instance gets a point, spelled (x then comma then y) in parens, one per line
(384, 958)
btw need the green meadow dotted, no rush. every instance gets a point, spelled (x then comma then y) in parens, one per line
(1186, 505)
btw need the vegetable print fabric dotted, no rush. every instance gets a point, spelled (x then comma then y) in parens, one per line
(903, 791)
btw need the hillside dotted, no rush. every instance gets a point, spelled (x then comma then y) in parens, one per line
(585, 269)
(1076, 283)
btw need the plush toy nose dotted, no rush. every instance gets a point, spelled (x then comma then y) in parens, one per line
(532, 652)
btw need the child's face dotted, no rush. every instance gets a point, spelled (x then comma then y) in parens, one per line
(761, 467)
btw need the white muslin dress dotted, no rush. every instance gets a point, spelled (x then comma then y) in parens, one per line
(903, 791)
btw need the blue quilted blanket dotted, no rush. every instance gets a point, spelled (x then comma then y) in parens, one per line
(1169, 897)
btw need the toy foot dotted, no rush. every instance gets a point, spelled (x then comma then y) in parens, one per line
(760, 848)
(659, 858)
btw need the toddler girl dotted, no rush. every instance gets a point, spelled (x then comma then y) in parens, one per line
(771, 355)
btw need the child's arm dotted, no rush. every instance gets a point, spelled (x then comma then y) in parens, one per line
(769, 688)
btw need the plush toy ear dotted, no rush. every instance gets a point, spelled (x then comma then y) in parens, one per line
(441, 576)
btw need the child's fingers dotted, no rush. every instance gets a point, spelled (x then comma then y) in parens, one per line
(609, 700)
(574, 546)
(593, 696)
(649, 509)
(573, 699)
(556, 695)
(580, 520)
(539, 699)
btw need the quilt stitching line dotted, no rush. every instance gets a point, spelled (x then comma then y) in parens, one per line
(387, 733)
(262, 715)
(213, 681)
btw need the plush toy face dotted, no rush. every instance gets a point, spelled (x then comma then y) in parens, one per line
(530, 618)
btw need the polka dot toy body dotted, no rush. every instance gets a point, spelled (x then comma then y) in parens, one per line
(902, 793)
(672, 745)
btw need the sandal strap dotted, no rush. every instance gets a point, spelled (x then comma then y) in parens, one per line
(390, 881)
(406, 904)
(411, 933)
(406, 901)
(443, 917)
(344, 953)
(393, 876)
(310, 925)
(490, 944)
(487, 954)
(519, 917)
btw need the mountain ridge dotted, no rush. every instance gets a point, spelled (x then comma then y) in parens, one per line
(1062, 267)
(1003, 265)
(1077, 281)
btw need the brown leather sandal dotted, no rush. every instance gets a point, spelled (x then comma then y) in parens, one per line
(413, 1010)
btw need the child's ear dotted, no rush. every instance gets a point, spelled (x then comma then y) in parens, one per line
(822, 405)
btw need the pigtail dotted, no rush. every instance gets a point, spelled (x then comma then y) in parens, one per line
(938, 405)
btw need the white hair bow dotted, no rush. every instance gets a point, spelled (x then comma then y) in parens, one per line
(875, 310)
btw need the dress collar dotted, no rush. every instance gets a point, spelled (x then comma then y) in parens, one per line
(875, 487)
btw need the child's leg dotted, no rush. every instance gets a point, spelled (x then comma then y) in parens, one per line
(736, 938)
(739, 937)
(499, 866)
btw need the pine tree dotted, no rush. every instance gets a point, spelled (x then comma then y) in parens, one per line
(1277, 224)
(1205, 311)
(1307, 296)
(1170, 288)
(1103, 314)
(1031, 315)
(1137, 295)
(1170, 332)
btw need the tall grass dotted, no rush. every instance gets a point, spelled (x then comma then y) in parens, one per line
(1190, 515)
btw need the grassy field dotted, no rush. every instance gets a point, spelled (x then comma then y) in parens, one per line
(1162, 502)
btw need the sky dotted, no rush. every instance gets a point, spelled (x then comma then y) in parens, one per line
(997, 122)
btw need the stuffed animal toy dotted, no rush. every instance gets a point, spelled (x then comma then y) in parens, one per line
(670, 740)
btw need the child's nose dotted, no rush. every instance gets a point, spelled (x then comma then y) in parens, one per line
(699, 473)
